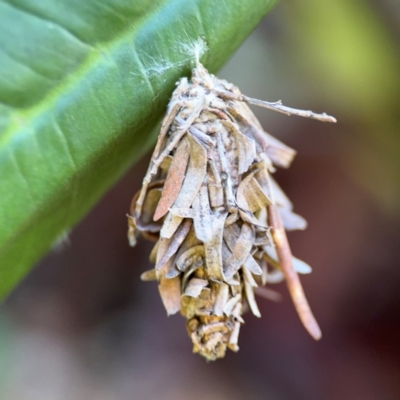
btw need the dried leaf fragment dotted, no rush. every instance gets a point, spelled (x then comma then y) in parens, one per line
(191, 185)
(250, 196)
(195, 286)
(213, 248)
(174, 180)
(170, 291)
(241, 250)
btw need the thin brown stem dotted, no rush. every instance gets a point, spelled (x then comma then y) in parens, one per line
(278, 106)
(292, 279)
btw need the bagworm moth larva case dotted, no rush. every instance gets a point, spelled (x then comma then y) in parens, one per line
(218, 217)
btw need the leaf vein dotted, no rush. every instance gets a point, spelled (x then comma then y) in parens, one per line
(74, 184)
(65, 142)
(23, 178)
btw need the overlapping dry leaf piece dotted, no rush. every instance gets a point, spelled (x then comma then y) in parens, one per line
(218, 217)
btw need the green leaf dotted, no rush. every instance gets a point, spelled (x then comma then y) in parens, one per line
(82, 84)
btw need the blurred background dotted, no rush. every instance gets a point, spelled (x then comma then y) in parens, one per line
(83, 325)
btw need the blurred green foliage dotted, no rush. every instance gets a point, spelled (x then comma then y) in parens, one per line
(354, 45)
(82, 83)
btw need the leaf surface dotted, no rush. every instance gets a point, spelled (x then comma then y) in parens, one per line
(82, 86)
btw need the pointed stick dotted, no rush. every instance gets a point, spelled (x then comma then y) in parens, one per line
(276, 106)
(292, 279)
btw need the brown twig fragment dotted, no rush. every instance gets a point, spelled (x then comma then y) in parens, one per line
(278, 106)
(291, 276)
